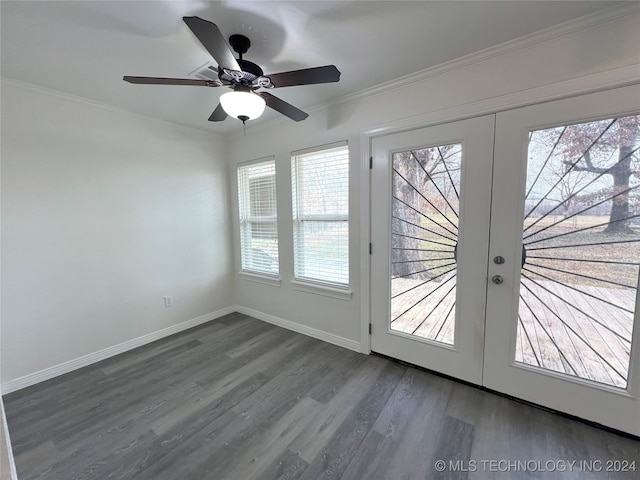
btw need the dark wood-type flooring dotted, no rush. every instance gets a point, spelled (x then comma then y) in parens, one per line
(240, 399)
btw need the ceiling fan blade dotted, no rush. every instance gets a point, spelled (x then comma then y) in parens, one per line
(172, 81)
(283, 107)
(211, 38)
(218, 114)
(306, 76)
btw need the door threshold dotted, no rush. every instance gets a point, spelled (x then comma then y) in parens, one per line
(510, 397)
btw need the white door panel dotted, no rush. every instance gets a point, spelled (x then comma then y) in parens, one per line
(562, 329)
(431, 193)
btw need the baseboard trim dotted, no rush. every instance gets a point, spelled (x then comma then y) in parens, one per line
(299, 328)
(71, 365)
(80, 362)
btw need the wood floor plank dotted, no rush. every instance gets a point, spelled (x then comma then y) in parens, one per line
(176, 454)
(265, 358)
(266, 413)
(463, 403)
(239, 399)
(334, 459)
(266, 338)
(403, 405)
(32, 458)
(455, 439)
(348, 363)
(32, 401)
(229, 376)
(256, 452)
(409, 443)
(383, 445)
(155, 353)
(324, 424)
(287, 466)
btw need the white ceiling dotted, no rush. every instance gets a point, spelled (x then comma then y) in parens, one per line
(85, 47)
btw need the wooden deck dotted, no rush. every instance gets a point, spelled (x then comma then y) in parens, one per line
(559, 328)
(434, 311)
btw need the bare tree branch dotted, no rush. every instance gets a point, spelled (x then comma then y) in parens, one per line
(590, 166)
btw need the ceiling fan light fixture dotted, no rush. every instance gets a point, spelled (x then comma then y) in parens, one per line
(242, 105)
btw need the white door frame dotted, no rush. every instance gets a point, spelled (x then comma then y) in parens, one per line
(463, 358)
(604, 404)
(567, 88)
(591, 84)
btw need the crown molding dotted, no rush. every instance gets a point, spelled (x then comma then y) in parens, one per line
(21, 84)
(540, 37)
(615, 78)
(537, 38)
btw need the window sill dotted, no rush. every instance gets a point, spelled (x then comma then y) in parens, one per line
(264, 279)
(325, 290)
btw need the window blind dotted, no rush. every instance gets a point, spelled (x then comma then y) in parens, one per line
(258, 217)
(320, 189)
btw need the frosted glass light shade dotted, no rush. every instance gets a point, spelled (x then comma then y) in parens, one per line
(242, 104)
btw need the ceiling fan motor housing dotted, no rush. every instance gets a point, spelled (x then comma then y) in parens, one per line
(250, 71)
(250, 67)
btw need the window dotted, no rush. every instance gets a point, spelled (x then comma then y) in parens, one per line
(320, 188)
(258, 217)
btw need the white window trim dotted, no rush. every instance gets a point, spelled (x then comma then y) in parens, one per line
(248, 274)
(321, 289)
(258, 277)
(318, 148)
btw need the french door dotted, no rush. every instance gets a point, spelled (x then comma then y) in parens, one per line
(431, 195)
(506, 252)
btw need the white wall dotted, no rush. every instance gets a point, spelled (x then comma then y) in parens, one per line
(576, 51)
(104, 213)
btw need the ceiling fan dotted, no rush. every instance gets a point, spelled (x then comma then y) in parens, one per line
(245, 78)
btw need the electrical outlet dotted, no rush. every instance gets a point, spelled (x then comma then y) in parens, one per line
(168, 301)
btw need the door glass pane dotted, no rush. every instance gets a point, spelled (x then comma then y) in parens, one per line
(581, 249)
(424, 235)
